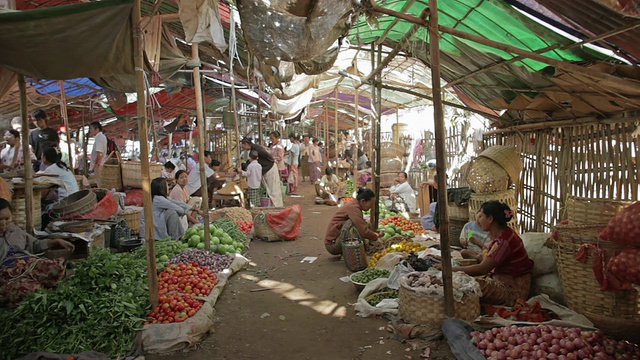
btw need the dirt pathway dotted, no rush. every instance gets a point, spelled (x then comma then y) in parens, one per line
(305, 314)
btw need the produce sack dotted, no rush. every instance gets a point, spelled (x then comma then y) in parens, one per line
(626, 266)
(286, 223)
(544, 259)
(550, 285)
(133, 198)
(103, 210)
(163, 338)
(624, 228)
(362, 306)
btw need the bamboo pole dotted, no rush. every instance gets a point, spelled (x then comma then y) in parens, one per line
(204, 190)
(144, 154)
(235, 115)
(375, 135)
(441, 160)
(65, 118)
(354, 168)
(259, 111)
(335, 121)
(28, 169)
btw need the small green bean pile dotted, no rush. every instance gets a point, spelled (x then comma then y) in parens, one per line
(365, 276)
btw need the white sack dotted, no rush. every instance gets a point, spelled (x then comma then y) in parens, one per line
(550, 285)
(543, 257)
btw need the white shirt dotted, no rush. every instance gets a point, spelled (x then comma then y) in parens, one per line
(67, 177)
(191, 164)
(253, 174)
(407, 194)
(194, 178)
(99, 146)
(7, 154)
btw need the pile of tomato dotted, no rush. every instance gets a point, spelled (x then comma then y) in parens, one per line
(347, 199)
(174, 307)
(245, 226)
(189, 279)
(403, 223)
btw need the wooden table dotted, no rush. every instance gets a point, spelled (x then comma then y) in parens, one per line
(222, 198)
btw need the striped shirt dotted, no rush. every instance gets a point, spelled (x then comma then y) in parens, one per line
(509, 253)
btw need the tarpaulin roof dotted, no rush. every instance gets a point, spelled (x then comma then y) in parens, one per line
(44, 43)
(528, 89)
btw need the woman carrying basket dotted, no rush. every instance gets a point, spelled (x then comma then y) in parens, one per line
(349, 222)
(504, 273)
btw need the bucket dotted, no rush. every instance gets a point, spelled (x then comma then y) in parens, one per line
(285, 189)
(265, 202)
(355, 257)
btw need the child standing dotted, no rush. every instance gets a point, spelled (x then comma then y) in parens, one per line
(254, 178)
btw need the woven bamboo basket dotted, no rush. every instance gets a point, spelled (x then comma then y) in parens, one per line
(391, 150)
(354, 255)
(111, 176)
(132, 220)
(582, 290)
(507, 157)
(579, 234)
(265, 210)
(391, 164)
(132, 173)
(455, 228)
(508, 197)
(417, 308)
(487, 176)
(262, 230)
(622, 329)
(588, 211)
(458, 212)
(77, 226)
(387, 178)
(19, 214)
(77, 203)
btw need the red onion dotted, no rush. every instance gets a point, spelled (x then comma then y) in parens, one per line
(552, 356)
(554, 349)
(557, 334)
(578, 343)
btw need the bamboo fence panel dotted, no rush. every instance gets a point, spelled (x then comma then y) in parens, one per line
(588, 160)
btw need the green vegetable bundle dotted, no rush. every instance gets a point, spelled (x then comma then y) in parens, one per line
(231, 227)
(367, 275)
(99, 308)
(349, 184)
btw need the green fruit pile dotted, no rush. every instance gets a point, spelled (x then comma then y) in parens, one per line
(221, 242)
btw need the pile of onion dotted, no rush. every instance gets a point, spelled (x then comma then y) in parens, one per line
(550, 342)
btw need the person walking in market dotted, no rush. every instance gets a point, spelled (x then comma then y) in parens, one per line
(294, 163)
(99, 151)
(194, 186)
(270, 173)
(277, 152)
(305, 165)
(315, 161)
(254, 178)
(42, 138)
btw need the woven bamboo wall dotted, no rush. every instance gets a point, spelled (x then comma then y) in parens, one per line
(591, 160)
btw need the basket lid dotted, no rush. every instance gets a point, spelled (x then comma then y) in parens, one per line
(507, 157)
(78, 198)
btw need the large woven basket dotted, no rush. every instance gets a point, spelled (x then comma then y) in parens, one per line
(455, 228)
(387, 178)
(77, 226)
(572, 233)
(132, 173)
(262, 230)
(390, 150)
(582, 290)
(508, 197)
(18, 202)
(588, 211)
(111, 175)
(458, 212)
(417, 308)
(507, 157)
(265, 210)
(391, 164)
(77, 203)
(487, 176)
(132, 220)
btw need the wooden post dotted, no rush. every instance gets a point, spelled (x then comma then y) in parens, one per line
(28, 169)
(441, 159)
(259, 110)
(65, 118)
(375, 135)
(235, 115)
(337, 130)
(144, 155)
(204, 190)
(354, 168)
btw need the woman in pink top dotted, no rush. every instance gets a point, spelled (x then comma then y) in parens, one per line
(277, 152)
(505, 271)
(180, 193)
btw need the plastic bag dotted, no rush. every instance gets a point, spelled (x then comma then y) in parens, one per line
(624, 228)
(287, 223)
(398, 271)
(544, 259)
(103, 210)
(390, 260)
(363, 308)
(133, 198)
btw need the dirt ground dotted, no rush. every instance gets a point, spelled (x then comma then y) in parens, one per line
(305, 313)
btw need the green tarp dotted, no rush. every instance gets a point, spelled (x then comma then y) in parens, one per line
(65, 42)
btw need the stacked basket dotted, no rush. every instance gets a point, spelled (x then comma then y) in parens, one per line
(491, 175)
(617, 313)
(132, 173)
(391, 162)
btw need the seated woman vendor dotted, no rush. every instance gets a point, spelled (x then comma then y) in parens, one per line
(21, 272)
(505, 271)
(330, 188)
(167, 213)
(349, 219)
